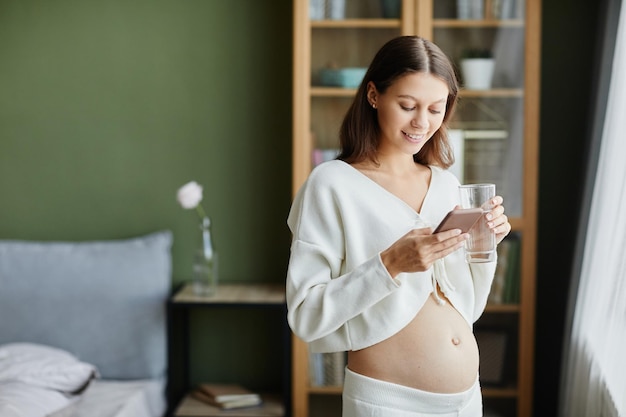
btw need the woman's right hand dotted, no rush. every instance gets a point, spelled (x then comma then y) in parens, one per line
(420, 248)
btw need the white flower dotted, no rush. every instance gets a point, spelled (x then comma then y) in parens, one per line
(189, 195)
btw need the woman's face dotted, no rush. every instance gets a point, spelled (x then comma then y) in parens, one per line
(409, 112)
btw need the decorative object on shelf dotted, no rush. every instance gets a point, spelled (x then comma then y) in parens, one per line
(336, 9)
(477, 66)
(391, 8)
(349, 77)
(327, 9)
(502, 9)
(316, 9)
(470, 9)
(205, 272)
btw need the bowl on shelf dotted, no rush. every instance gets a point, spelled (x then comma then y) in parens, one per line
(349, 77)
(391, 8)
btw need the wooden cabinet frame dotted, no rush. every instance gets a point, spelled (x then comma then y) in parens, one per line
(417, 18)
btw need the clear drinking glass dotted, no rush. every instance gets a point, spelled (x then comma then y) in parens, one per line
(481, 246)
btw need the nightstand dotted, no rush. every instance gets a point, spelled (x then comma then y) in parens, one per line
(239, 296)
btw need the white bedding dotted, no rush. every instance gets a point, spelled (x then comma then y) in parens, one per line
(18, 399)
(42, 381)
(105, 398)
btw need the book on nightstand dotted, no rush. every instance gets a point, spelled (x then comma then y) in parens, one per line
(227, 396)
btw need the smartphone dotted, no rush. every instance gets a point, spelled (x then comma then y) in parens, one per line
(462, 219)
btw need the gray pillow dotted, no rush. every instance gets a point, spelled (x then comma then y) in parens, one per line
(103, 301)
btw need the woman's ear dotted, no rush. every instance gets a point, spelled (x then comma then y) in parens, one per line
(372, 94)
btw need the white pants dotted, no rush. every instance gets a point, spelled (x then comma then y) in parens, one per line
(369, 397)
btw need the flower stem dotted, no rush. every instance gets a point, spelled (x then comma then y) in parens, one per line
(200, 211)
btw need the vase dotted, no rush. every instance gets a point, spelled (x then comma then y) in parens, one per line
(477, 73)
(205, 272)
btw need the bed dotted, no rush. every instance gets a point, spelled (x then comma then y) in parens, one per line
(83, 327)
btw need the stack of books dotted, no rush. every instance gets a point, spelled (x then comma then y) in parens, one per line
(227, 396)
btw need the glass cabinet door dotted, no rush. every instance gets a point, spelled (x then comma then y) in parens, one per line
(343, 42)
(485, 39)
(494, 133)
(494, 136)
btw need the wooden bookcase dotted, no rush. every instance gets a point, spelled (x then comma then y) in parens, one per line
(498, 127)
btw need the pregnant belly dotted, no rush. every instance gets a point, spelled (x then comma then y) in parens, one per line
(436, 352)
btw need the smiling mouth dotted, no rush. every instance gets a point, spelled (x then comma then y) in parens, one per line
(414, 137)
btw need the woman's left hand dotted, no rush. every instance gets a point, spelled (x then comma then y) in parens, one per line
(497, 221)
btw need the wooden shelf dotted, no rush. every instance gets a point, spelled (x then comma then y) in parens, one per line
(496, 92)
(477, 23)
(502, 308)
(356, 23)
(500, 392)
(234, 294)
(321, 91)
(330, 390)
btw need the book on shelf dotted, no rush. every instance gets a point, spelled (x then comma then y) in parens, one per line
(227, 396)
(323, 155)
(497, 287)
(484, 156)
(505, 286)
(511, 288)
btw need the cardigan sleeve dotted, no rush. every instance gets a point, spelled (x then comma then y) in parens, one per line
(319, 305)
(482, 278)
(321, 296)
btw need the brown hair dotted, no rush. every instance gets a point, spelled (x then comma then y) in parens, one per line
(359, 132)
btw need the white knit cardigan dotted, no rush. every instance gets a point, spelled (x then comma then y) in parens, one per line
(339, 294)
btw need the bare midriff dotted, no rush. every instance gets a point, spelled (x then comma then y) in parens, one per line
(435, 352)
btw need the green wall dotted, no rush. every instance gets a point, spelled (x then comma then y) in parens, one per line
(107, 107)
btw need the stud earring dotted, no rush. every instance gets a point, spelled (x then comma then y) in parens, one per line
(374, 106)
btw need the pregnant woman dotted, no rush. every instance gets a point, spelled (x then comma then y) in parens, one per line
(366, 273)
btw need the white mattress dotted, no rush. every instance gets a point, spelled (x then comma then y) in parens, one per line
(105, 398)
